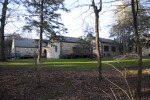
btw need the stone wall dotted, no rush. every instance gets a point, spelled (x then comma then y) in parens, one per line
(109, 52)
(53, 50)
(67, 48)
(26, 51)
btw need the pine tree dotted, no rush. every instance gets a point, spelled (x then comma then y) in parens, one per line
(44, 18)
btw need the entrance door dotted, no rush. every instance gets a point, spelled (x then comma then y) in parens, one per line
(45, 53)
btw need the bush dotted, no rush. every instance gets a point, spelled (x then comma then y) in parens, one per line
(66, 56)
(73, 56)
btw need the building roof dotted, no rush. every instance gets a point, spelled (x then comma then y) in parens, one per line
(103, 40)
(25, 42)
(69, 39)
(73, 39)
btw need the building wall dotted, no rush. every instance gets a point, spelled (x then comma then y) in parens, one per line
(13, 47)
(62, 48)
(23, 51)
(51, 50)
(26, 51)
(67, 48)
(109, 52)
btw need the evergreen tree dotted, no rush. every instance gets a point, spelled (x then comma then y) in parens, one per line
(44, 17)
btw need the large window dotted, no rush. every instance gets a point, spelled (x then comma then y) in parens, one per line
(113, 49)
(106, 48)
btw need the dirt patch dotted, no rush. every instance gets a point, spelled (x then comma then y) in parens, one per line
(21, 83)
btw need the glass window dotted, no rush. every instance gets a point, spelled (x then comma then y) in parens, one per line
(113, 49)
(106, 48)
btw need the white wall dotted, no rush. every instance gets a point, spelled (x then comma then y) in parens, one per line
(13, 47)
(51, 53)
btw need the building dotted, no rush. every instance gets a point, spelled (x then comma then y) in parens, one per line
(108, 47)
(25, 47)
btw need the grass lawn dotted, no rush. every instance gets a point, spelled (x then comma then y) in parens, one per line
(76, 63)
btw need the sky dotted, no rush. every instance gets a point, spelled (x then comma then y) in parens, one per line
(75, 21)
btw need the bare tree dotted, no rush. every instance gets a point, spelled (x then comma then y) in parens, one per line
(2, 20)
(135, 12)
(97, 11)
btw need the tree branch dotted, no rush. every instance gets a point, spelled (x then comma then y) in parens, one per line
(111, 1)
(83, 21)
(100, 6)
(94, 7)
(84, 12)
(137, 4)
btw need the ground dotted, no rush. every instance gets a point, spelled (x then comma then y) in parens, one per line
(21, 83)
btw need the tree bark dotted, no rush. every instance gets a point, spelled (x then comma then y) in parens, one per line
(40, 39)
(96, 11)
(3, 19)
(138, 45)
(124, 43)
(98, 46)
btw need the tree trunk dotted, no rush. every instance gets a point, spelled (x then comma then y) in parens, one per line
(40, 39)
(96, 11)
(138, 50)
(97, 45)
(3, 19)
(124, 43)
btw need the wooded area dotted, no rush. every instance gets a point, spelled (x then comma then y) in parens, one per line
(131, 30)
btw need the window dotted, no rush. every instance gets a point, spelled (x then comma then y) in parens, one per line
(113, 49)
(74, 49)
(55, 48)
(106, 48)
